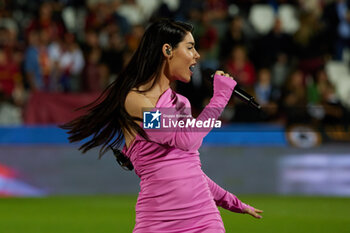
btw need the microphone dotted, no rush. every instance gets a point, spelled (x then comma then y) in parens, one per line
(244, 96)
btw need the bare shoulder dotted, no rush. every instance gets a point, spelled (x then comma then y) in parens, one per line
(135, 102)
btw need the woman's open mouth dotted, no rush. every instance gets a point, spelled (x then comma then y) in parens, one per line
(192, 68)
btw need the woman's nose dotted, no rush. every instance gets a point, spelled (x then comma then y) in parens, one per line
(197, 55)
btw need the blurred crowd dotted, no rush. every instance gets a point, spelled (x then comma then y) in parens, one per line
(276, 49)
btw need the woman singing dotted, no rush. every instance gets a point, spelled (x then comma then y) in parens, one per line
(175, 194)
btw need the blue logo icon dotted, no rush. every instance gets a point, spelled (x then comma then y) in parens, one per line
(151, 120)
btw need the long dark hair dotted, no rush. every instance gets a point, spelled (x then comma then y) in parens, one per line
(106, 116)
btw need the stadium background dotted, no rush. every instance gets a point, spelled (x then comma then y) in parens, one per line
(292, 159)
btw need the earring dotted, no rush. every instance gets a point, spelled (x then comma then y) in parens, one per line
(168, 52)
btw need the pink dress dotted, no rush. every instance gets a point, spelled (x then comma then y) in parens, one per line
(175, 194)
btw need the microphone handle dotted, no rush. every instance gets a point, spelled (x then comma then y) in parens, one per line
(245, 97)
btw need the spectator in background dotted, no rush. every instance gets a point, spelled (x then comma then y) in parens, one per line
(112, 56)
(294, 98)
(3, 36)
(280, 70)
(66, 63)
(32, 68)
(189, 10)
(127, 56)
(7, 21)
(240, 67)
(55, 52)
(134, 37)
(324, 105)
(275, 50)
(309, 43)
(11, 90)
(218, 9)
(98, 15)
(90, 40)
(8, 33)
(10, 76)
(234, 36)
(264, 91)
(105, 76)
(266, 94)
(314, 6)
(343, 35)
(93, 78)
(320, 89)
(336, 18)
(164, 10)
(330, 23)
(270, 47)
(207, 39)
(47, 21)
(8, 40)
(71, 64)
(111, 25)
(45, 59)
(123, 24)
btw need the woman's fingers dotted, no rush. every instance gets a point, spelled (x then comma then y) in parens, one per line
(222, 73)
(258, 211)
(228, 75)
(254, 213)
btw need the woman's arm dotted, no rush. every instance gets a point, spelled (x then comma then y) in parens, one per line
(229, 201)
(225, 199)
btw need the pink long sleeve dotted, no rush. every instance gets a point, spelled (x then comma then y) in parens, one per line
(189, 138)
(226, 199)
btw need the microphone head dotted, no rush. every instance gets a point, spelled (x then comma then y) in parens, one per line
(255, 105)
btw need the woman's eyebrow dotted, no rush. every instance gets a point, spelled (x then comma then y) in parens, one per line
(191, 43)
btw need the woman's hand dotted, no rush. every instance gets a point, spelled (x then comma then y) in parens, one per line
(222, 85)
(255, 213)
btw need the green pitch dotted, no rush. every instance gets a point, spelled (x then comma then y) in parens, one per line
(112, 214)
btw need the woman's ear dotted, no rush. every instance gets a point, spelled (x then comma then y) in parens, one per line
(166, 50)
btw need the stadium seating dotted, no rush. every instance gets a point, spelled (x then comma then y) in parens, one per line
(287, 14)
(339, 75)
(262, 17)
